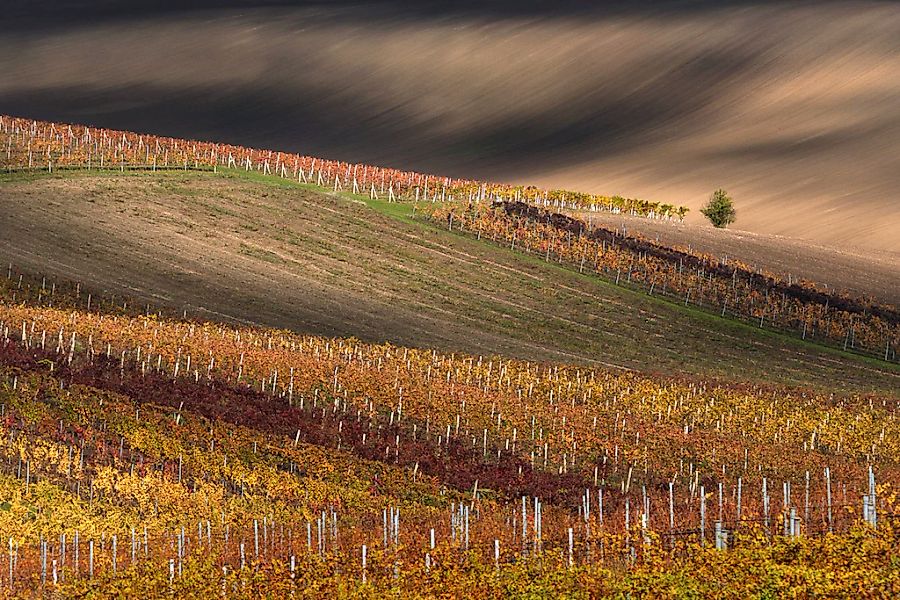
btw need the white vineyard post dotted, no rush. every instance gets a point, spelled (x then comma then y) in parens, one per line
(364, 563)
(721, 537)
(806, 503)
(702, 515)
(828, 497)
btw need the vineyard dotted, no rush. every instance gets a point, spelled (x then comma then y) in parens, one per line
(525, 221)
(730, 288)
(143, 452)
(28, 144)
(149, 454)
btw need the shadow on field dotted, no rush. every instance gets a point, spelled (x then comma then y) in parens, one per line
(790, 106)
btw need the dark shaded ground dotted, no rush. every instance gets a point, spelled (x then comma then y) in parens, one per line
(790, 106)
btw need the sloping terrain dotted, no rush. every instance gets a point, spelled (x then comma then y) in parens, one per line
(343, 410)
(852, 271)
(340, 479)
(271, 252)
(792, 107)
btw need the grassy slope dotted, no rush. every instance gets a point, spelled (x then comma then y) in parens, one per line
(273, 252)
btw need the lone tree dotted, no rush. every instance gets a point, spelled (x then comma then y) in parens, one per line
(720, 209)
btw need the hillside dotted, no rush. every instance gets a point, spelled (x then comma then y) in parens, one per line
(339, 299)
(255, 249)
(167, 458)
(853, 271)
(790, 106)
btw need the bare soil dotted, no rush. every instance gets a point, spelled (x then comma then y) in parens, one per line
(278, 254)
(853, 271)
(790, 106)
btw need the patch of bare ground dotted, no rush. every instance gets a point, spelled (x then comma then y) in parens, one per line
(278, 254)
(848, 269)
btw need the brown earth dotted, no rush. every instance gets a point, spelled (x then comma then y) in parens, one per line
(853, 271)
(791, 106)
(265, 251)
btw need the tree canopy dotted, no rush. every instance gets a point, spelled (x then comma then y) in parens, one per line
(720, 209)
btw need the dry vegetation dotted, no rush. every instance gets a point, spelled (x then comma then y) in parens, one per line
(267, 251)
(152, 456)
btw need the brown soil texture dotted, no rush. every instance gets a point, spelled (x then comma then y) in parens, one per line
(791, 106)
(264, 251)
(851, 271)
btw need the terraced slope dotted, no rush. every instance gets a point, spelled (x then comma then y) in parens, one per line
(270, 252)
